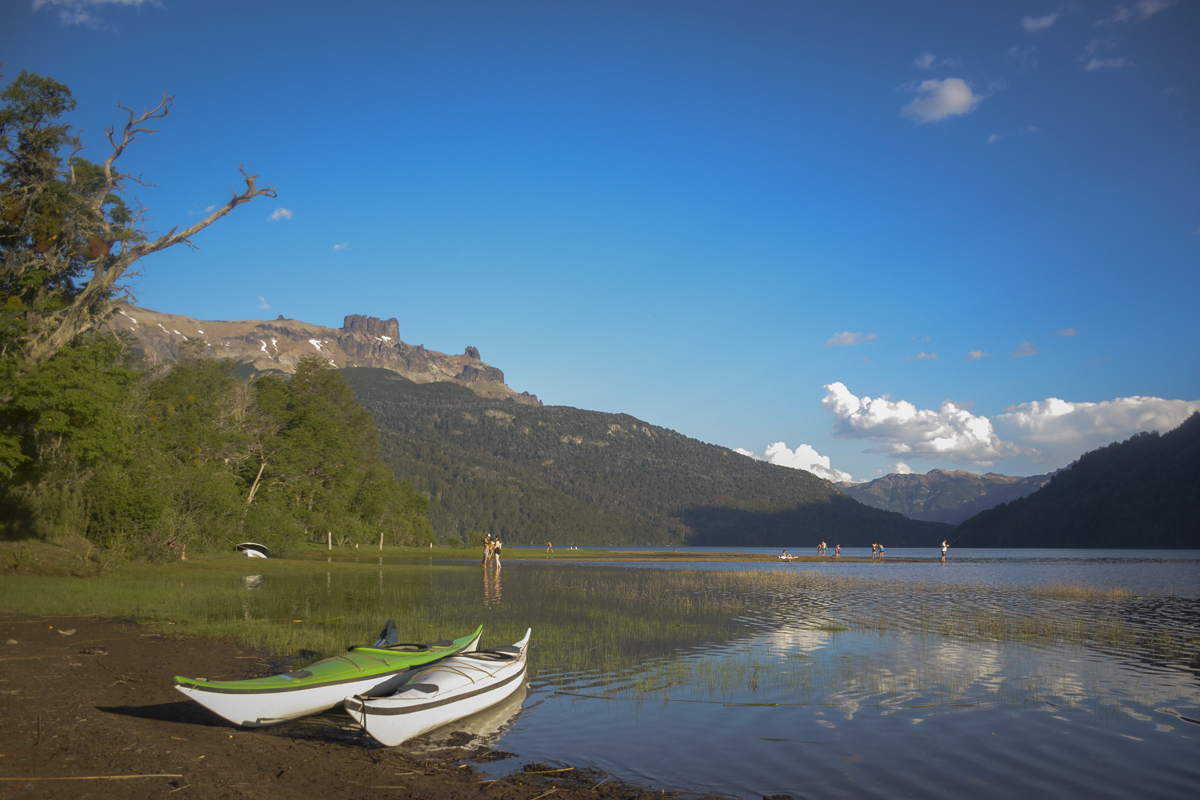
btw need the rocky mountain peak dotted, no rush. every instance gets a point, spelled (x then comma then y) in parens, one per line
(372, 326)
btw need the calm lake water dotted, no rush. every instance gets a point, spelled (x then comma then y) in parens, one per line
(783, 694)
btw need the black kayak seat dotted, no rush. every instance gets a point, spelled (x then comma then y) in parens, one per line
(427, 688)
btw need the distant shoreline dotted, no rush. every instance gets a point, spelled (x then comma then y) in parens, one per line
(527, 554)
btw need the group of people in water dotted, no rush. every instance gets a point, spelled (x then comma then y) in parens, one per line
(876, 551)
(491, 549)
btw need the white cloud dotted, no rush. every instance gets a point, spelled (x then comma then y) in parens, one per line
(341, 246)
(975, 355)
(262, 303)
(928, 60)
(76, 12)
(1063, 431)
(1067, 332)
(922, 356)
(940, 99)
(900, 468)
(280, 213)
(1033, 25)
(1107, 63)
(848, 338)
(949, 433)
(1025, 349)
(803, 457)
(1023, 56)
(1142, 10)
(995, 137)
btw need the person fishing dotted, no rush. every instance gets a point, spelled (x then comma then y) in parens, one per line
(945, 547)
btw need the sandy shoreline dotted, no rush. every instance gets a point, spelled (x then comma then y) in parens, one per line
(85, 711)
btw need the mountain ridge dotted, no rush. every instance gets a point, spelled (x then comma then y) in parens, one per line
(277, 346)
(950, 496)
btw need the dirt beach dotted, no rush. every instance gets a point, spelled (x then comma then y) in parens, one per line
(89, 711)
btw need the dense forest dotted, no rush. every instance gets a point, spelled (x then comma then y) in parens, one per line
(144, 463)
(530, 474)
(1142, 492)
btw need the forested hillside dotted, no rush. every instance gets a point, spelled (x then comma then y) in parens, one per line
(562, 474)
(1143, 492)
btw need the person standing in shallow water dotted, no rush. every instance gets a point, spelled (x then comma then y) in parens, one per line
(881, 552)
(944, 548)
(837, 551)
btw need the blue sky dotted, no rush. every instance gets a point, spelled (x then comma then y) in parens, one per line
(754, 223)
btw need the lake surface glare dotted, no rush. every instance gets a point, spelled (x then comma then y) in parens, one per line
(850, 686)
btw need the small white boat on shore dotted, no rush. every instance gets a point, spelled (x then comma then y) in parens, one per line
(454, 688)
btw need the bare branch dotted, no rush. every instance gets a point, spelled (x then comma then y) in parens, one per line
(252, 191)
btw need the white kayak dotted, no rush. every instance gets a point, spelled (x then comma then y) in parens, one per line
(446, 692)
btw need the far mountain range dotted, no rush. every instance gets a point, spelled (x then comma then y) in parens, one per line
(942, 496)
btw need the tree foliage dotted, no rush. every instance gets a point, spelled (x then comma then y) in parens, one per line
(145, 463)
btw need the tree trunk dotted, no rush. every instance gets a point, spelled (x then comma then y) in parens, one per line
(254, 487)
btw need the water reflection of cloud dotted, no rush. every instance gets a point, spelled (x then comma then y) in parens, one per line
(804, 640)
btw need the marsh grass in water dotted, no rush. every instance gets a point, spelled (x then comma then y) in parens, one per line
(602, 620)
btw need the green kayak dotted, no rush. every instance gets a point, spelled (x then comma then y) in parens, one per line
(372, 670)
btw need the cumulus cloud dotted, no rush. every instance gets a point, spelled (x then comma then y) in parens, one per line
(1063, 431)
(263, 304)
(77, 12)
(900, 468)
(803, 457)
(941, 99)
(948, 433)
(1033, 25)
(1024, 350)
(848, 338)
(922, 356)
(975, 355)
(925, 61)
(280, 213)
(341, 246)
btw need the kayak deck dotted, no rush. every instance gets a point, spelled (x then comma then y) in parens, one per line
(357, 664)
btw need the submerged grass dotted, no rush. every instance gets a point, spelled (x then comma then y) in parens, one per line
(609, 621)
